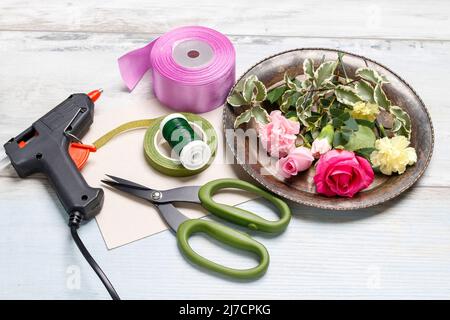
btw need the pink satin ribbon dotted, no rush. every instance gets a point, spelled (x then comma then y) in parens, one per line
(188, 89)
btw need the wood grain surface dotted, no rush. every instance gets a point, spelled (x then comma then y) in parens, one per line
(397, 250)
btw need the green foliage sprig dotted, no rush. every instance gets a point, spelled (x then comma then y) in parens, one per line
(325, 94)
(250, 94)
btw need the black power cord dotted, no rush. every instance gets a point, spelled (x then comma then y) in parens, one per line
(74, 224)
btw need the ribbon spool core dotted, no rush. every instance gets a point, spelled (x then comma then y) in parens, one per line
(192, 53)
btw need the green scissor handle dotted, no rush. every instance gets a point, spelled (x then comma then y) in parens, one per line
(227, 236)
(240, 216)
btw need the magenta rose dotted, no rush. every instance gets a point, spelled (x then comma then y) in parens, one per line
(342, 173)
(299, 159)
(279, 135)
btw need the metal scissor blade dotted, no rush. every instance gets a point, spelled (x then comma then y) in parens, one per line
(140, 192)
(127, 182)
(171, 215)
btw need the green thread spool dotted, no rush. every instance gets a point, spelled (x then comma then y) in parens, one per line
(192, 151)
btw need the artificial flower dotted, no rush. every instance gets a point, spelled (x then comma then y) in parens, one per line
(365, 111)
(341, 172)
(279, 135)
(299, 159)
(322, 144)
(393, 155)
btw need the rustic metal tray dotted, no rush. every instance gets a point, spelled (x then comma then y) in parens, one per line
(301, 189)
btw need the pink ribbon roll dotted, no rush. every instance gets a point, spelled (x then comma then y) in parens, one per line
(193, 68)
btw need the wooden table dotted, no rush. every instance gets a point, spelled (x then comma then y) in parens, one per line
(398, 250)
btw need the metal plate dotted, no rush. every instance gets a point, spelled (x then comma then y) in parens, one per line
(301, 189)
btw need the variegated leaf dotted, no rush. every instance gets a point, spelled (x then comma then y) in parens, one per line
(346, 95)
(236, 99)
(308, 68)
(306, 84)
(371, 75)
(397, 125)
(303, 108)
(402, 117)
(400, 114)
(325, 72)
(249, 87)
(261, 91)
(286, 100)
(290, 83)
(364, 90)
(260, 114)
(244, 117)
(380, 97)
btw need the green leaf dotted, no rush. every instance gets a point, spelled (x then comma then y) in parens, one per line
(239, 87)
(290, 83)
(306, 84)
(288, 99)
(249, 87)
(261, 91)
(402, 123)
(336, 112)
(381, 98)
(236, 100)
(324, 73)
(364, 90)
(400, 114)
(275, 94)
(351, 124)
(302, 107)
(365, 152)
(339, 139)
(397, 125)
(363, 138)
(260, 115)
(313, 119)
(366, 123)
(244, 117)
(371, 75)
(340, 120)
(291, 114)
(324, 120)
(308, 68)
(346, 95)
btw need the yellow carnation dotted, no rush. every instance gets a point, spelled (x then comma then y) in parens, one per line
(365, 111)
(393, 155)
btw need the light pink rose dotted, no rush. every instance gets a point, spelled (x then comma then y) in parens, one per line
(341, 172)
(299, 159)
(279, 135)
(319, 147)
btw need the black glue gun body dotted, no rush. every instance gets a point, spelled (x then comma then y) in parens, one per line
(43, 147)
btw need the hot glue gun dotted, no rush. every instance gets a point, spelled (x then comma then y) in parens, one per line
(43, 147)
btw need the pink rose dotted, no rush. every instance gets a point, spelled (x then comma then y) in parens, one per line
(299, 159)
(320, 146)
(341, 172)
(279, 135)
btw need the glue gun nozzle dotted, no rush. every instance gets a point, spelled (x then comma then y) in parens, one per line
(94, 95)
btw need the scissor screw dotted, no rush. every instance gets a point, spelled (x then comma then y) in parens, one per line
(156, 195)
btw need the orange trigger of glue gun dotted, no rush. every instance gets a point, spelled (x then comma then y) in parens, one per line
(79, 152)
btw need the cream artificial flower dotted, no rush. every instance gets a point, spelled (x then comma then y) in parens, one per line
(393, 155)
(365, 111)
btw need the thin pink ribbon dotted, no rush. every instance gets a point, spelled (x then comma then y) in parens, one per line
(198, 89)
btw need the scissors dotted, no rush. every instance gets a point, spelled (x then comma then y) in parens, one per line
(184, 227)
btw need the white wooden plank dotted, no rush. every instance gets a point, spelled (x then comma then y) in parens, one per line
(412, 19)
(399, 250)
(37, 70)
